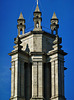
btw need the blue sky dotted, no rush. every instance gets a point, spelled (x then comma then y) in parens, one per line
(9, 13)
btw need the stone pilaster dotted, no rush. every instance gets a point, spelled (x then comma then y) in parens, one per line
(34, 80)
(12, 79)
(52, 80)
(57, 70)
(17, 79)
(40, 79)
(37, 79)
(57, 77)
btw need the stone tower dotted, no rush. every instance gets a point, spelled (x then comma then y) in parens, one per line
(37, 62)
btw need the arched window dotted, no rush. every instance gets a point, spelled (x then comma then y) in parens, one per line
(37, 25)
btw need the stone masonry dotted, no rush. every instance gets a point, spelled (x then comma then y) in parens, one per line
(37, 62)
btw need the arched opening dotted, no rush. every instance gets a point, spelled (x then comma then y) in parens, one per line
(37, 24)
(37, 16)
(21, 31)
(54, 32)
(20, 23)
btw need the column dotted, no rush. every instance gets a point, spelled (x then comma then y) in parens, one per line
(57, 78)
(37, 80)
(34, 80)
(52, 79)
(16, 77)
(57, 69)
(12, 79)
(40, 79)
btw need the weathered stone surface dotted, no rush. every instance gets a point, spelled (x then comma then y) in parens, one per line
(37, 70)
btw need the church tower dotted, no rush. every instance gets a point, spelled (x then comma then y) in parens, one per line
(37, 62)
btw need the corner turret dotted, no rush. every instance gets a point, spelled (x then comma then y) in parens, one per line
(37, 19)
(21, 26)
(54, 24)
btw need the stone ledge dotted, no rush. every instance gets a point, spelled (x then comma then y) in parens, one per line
(37, 98)
(18, 97)
(17, 51)
(37, 32)
(56, 51)
(37, 53)
(58, 98)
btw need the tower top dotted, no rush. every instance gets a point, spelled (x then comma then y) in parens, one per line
(37, 8)
(54, 16)
(21, 16)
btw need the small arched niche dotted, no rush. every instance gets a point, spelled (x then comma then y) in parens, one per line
(37, 24)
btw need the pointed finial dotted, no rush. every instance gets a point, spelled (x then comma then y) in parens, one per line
(37, 2)
(21, 16)
(54, 16)
(37, 9)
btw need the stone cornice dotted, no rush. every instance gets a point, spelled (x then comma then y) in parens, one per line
(57, 51)
(17, 51)
(44, 33)
(37, 32)
(37, 53)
